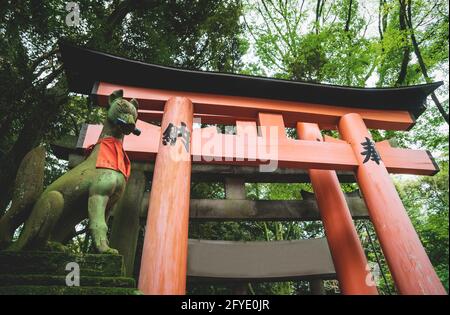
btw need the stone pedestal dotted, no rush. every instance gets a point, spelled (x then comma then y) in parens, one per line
(31, 272)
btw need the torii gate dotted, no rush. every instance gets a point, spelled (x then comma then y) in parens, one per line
(261, 108)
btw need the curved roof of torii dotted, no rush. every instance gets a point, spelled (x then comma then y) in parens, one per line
(85, 66)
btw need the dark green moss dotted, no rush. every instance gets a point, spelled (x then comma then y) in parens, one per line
(54, 263)
(63, 290)
(41, 280)
(37, 272)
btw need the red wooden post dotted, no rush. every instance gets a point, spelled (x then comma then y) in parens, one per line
(348, 255)
(164, 255)
(409, 264)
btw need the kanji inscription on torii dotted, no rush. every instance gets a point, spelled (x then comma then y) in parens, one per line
(370, 151)
(172, 132)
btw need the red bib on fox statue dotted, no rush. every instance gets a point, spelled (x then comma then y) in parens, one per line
(112, 156)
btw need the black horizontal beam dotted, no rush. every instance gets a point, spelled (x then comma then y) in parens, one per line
(84, 67)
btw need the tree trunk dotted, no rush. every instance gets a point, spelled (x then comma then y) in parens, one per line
(406, 49)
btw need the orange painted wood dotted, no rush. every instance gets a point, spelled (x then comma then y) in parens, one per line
(400, 160)
(269, 122)
(137, 149)
(164, 255)
(244, 107)
(348, 255)
(406, 161)
(156, 115)
(408, 262)
(212, 147)
(247, 132)
(246, 148)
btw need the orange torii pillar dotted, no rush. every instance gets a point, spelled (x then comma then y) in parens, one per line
(164, 255)
(348, 255)
(408, 262)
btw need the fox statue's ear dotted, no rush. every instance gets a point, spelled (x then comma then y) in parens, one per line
(135, 103)
(114, 95)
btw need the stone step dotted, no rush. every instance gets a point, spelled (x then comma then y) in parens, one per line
(50, 280)
(54, 263)
(64, 290)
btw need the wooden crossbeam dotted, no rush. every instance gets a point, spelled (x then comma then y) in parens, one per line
(247, 148)
(217, 173)
(156, 116)
(326, 116)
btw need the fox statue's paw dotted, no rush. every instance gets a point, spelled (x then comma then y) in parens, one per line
(103, 248)
(56, 247)
(111, 251)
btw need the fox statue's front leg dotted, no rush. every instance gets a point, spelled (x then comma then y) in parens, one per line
(104, 191)
(97, 223)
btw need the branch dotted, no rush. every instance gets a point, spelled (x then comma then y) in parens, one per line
(200, 54)
(116, 18)
(349, 17)
(82, 231)
(43, 57)
(318, 12)
(426, 14)
(269, 56)
(380, 31)
(283, 12)
(371, 70)
(327, 14)
(280, 33)
(74, 125)
(422, 65)
(382, 19)
(49, 79)
(299, 16)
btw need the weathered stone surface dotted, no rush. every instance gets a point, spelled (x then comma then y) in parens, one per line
(63, 290)
(28, 186)
(271, 210)
(38, 272)
(125, 229)
(49, 280)
(54, 263)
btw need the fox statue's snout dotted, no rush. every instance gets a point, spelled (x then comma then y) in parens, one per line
(128, 127)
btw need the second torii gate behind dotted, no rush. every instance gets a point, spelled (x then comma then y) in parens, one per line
(261, 109)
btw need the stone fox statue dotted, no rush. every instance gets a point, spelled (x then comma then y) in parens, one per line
(88, 190)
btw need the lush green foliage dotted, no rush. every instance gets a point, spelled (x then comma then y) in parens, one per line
(34, 98)
(361, 43)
